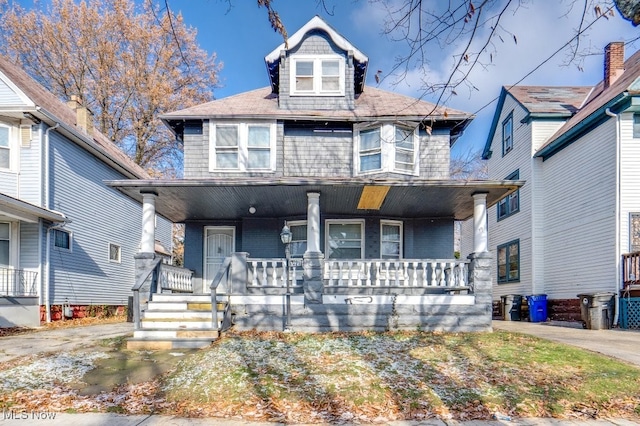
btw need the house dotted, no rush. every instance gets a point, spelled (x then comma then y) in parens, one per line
(354, 179)
(66, 239)
(565, 232)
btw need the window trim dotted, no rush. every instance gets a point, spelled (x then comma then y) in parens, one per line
(388, 150)
(399, 224)
(507, 147)
(317, 61)
(507, 199)
(506, 246)
(70, 240)
(111, 260)
(329, 222)
(243, 146)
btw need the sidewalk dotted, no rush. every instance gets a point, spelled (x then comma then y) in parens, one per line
(621, 344)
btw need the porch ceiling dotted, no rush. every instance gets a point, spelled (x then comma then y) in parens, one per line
(221, 199)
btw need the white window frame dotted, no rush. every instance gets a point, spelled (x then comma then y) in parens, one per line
(119, 260)
(10, 146)
(317, 61)
(10, 240)
(292, 224)
(399, 224)
(69, 233)
(388, 150)
(327, 225)
(243, 146)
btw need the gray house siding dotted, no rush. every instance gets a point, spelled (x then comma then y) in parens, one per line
(9, 183)
(316, 43)
(29, 243)
(99, 216)
(196, 149)
(317, 154)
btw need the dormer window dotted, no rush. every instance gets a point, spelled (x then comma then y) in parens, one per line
(317, 75)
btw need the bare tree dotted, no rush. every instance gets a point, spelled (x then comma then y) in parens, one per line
(468, 165)
(126, 63)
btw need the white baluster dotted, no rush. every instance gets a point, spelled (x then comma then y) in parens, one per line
(367, 273)
(377, 281)
(433, 266)
(386, 277)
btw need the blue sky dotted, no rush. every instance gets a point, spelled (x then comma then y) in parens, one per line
(241, 36)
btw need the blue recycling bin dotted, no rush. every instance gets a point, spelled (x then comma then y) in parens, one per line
(537, 307)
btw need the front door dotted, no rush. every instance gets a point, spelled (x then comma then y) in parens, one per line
(219, 243)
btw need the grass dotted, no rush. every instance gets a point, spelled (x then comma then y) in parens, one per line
(339, 377)
(324, 377)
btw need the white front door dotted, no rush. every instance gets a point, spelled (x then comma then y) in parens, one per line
(219, 243)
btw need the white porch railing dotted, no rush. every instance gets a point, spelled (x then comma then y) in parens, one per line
(265, 273)
(175, 279)
(18, 282)
(410, 273)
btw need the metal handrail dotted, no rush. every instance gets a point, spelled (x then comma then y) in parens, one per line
(18, 282)
(151, 270)
(223, 272)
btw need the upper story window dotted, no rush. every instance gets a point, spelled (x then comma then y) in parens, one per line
(507, 134)
(243, 147)
(317, 75)
(62, 239)
(5, 147)
(511, 203)
(387, 148)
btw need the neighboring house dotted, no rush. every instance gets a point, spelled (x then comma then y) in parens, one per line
(360, 177)
(578, 149)
(66, 239)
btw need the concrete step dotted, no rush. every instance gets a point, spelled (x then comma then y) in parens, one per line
(152, 344)
(181, 297)
(176, 333)
(176, 323)
(172, 314)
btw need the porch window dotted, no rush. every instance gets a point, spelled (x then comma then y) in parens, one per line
(318, 76)
(511, 203)
(5, 147)
(62, 239)
(344, 239)
(5, 243)
(298, 238)
(386, 148)
(507, 134)
(114, 253)
(243, 147)
(509, 262)
(390, 239)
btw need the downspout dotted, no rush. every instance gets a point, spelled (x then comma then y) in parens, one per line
(618, 210)
(47, 281)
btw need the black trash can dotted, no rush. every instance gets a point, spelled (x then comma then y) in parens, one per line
(597, 310)
(512, 307)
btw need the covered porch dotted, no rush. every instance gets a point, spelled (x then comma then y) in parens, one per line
(372, 270)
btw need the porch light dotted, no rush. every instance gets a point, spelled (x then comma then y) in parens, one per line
(285, 235)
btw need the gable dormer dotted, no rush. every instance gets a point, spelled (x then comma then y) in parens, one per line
(317, 69)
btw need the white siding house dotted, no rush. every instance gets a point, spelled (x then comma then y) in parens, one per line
(575, 148)
(66, 238)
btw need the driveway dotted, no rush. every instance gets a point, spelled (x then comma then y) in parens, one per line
(616, 343)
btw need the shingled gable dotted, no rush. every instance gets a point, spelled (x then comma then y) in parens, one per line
(616, 97)
(48, 108)
(360, 60)
(539, 102)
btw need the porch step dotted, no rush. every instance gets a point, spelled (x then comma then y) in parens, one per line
(182, 297)
(151, 344)
(176, 333)
(176, 314)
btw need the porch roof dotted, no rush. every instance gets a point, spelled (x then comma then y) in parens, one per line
(181, 200)
(17, 209)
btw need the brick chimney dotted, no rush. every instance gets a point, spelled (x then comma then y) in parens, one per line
(84, 116)
(613, 62)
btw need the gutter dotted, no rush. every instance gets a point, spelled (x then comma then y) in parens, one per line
(618, 213)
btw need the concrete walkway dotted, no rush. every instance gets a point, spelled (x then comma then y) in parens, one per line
(621, 344)
(59, 340)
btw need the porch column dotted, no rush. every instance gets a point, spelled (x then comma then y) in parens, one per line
(148, 239)
(312, 259)
(313, 222)
(480, 235)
